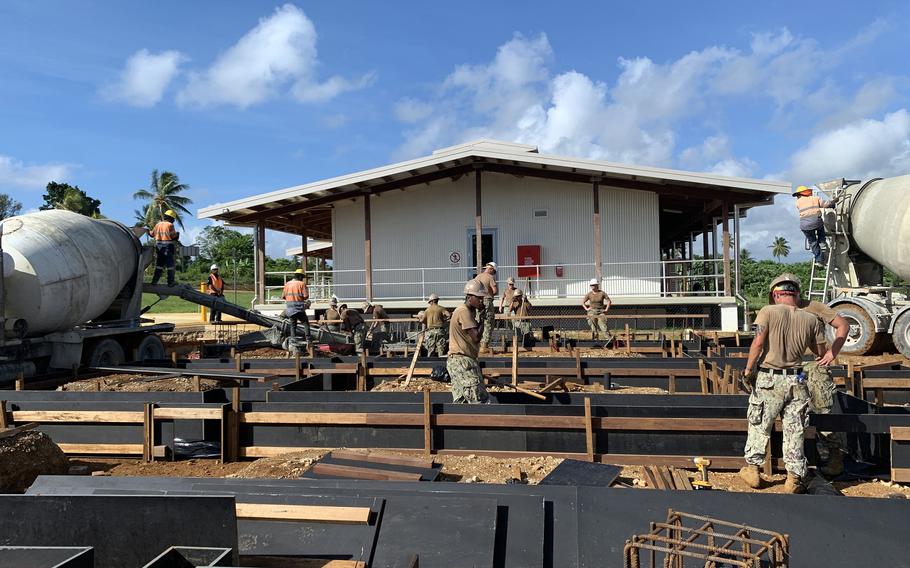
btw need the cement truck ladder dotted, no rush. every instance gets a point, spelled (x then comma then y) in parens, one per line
(820, 277)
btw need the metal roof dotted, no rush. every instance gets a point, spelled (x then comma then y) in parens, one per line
(292, 208)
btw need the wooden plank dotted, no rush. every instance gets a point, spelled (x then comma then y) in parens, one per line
(377, 457)
(883, 365)
(354, 472)
(523, 391)
(304, 513)
(407, 380)
(671, 383)
(102, 449)
(666, 479)
(579, 375)
(552, 385)
(589, 430)
(654, 475)
(900, 474)
(126, 417)
(4, 423)
(514, 358)
(10, 432)
(900, 433)
(352, 418)
(148, 431)
(188, 413)
(681, 479)
(886, 383)
(427, 423)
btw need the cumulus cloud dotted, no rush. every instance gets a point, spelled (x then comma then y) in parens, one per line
(715, 155)
(16, 173)
(144, 79)
(278, 55)
(410, 110)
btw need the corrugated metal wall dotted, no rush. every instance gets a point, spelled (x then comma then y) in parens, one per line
(421, 227)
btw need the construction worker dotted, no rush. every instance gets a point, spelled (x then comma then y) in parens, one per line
(434, 318)
(486, 313)
(295, 295)
(352, 322)
(520, 307)
(165, 247)
(506, 299)
(465, 334)
(810, 220)
(831, 445)
(332, 314)
(215, 287)
(597, 303)
(379, 327)
(777, 384)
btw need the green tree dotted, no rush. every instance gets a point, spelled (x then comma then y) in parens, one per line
(163, 194)
(745, 256)
(780, 248)
(9, 207)
(70, 198)
(222, 245)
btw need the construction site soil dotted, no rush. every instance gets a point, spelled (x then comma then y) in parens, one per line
(418, 384)
(139, 383)
(25, 456)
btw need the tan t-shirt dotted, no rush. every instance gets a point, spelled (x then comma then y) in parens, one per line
(460, 341)
(824, 312)
(487, 280)
(434, 316)
(351, 318)
(332, 314)
(507, 294)
(597, 300)
(790, 332)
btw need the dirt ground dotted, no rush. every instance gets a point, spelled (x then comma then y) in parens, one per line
(25, 456)
(417, 384)
(138, 383)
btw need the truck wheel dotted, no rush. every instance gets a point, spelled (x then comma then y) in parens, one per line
(901, 334)
(862, 336)
(106, 353)
(151, 347)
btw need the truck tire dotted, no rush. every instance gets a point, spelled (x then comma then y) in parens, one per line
(106, 353)
(151, 347)
(901, 335)
(862, 337)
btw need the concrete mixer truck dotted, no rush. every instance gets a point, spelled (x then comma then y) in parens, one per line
(868, 230)
(70, 294)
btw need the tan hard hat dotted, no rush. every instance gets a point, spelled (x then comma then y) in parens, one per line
(476, 288)
(785, 277)
(517, 293)
(510, 280)
(433, 297)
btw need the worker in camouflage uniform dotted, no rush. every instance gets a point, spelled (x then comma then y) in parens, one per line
(520, 308)
(597, 303)
(831, 445)
(352, 322)
(486, 314)
(774, 377)
(434, 318)
(379, 327)
(505, 301)
(465, 333)
(332, 314)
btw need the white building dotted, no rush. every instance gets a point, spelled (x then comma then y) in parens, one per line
(401, 232)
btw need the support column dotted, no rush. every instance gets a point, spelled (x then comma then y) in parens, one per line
(367, 249)
(303, 252)
(260, 261)
(704, 255)
(726, 244)
(478, 219)
(598, 251)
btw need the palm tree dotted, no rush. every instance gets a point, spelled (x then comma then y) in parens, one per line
(745, 255)
(780, 248)
(163, 194)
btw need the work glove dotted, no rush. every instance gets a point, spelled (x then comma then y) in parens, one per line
(748, 380)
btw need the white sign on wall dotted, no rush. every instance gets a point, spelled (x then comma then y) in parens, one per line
(455, 257)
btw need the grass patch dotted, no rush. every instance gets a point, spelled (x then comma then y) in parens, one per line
(173, 304)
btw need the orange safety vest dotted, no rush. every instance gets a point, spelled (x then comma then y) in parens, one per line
(164, 232)
(295, 291)
(808, 206)
(216, 285)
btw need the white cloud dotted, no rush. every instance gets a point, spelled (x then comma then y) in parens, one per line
(714, 155)
(16, 173)
(144, 79)
(410, 110)
(280, 52)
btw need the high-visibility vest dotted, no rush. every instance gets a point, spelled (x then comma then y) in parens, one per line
(295, 291)
(216, 284)
(808, 206)
(164, 232)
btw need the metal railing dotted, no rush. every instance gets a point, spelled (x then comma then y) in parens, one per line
(667, 278)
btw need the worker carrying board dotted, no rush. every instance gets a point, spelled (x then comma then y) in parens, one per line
(777, 384)
(295, 295)
(166, 237)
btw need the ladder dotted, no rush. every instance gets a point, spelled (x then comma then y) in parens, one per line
(819, 284)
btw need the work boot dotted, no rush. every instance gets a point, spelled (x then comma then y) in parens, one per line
(835, 464)
(795, 484)
(751, 476)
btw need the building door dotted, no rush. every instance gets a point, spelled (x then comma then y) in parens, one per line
(487, 247)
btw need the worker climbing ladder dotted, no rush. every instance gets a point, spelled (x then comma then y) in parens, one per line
(820, 276)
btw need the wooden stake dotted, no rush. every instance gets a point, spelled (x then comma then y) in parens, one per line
(173, 358)
(628, 339)
(672, 384)
(20, 382)
(407, 379)
(197, 383)
(238, 362)
(297, 365)
(589, 430)
(769, 467)
(362, 374)
(736, 336)
(514, 358)
(3, 422)
(427, 423)
(727, 383)
(578, 374)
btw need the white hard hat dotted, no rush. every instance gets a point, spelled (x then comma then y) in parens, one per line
(433, 297)
(517, 293)
(492, 265)
(214, 267)
(510, 280)
(594, 282)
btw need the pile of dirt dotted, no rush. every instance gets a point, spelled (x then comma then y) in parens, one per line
(417, 384)
(25, 456)
(138, 383)
(285, 466)
(485, 469)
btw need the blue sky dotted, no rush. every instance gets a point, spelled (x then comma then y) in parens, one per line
(245, 97)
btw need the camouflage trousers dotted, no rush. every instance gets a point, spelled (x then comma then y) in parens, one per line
(821, 399)
(522, 328)
(436, 341)
(487, 316)
(467, 383)
(773, 396)
(360, 336)
(597, 321)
